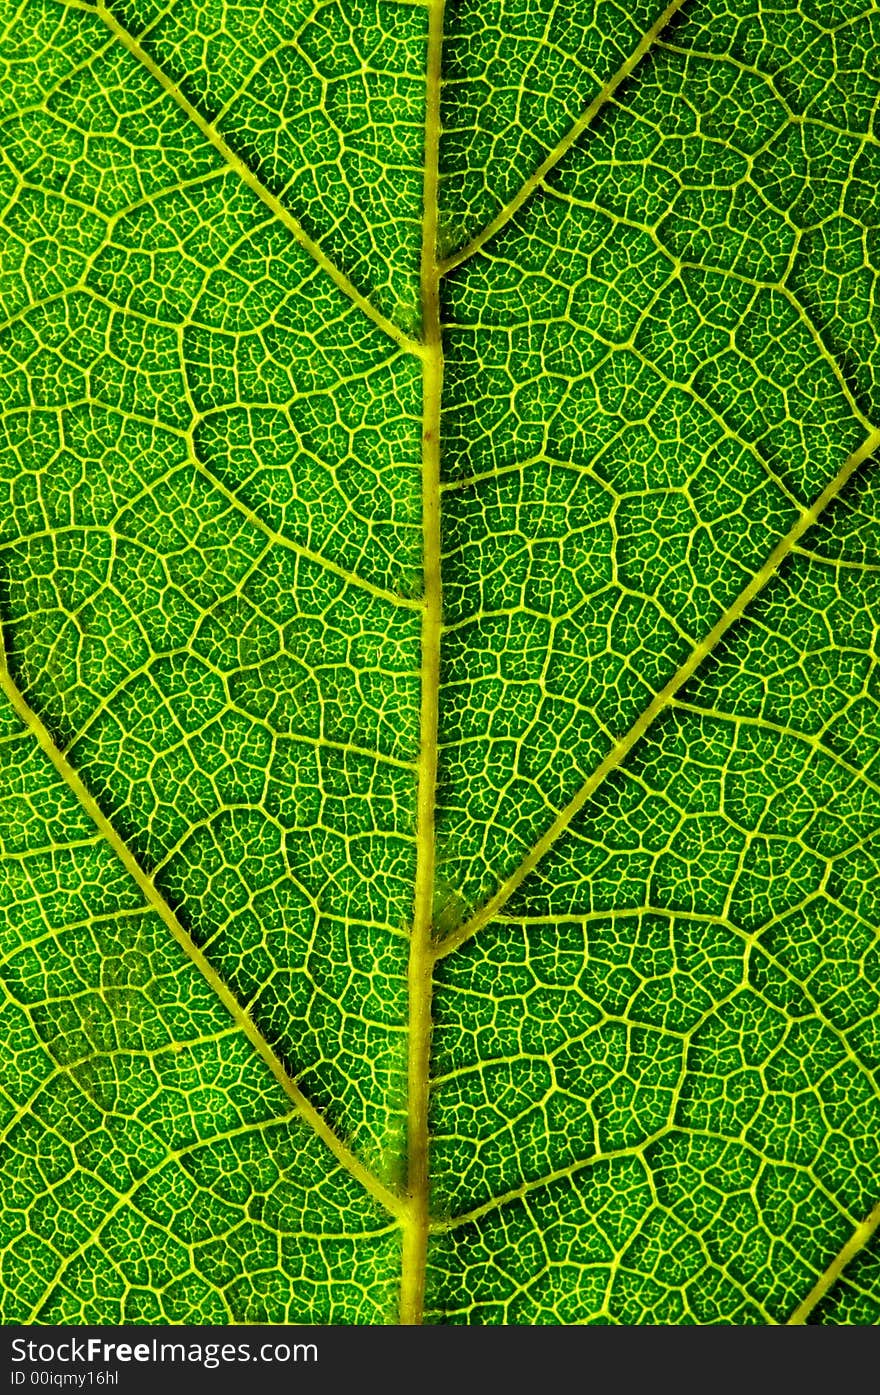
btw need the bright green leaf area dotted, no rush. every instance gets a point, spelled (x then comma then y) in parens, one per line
(568, 879)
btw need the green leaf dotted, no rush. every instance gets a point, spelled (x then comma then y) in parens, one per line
(440, 727)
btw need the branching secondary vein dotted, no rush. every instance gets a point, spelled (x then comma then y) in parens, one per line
(160, 906)
(586, 119)
(662, 700)
(855, 1244)
(253, 181)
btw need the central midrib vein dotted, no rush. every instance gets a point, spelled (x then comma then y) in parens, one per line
(421, 955)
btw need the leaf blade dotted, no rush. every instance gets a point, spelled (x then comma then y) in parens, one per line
(652, 1088)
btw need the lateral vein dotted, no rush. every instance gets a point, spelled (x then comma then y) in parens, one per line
(661, 701)
(247, 175)
(446, 1223)
(157, 903)
(602, 98)
(288, 544)
(856, 1242)
(129, 1198)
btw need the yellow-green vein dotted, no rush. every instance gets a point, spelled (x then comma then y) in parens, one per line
(128, 1198)
(247, 175)
(586, 118)
(421, 946)
(856, 1242)
(662, 700)
(157, 903)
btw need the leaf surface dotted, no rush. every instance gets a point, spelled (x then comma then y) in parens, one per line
(440, 757)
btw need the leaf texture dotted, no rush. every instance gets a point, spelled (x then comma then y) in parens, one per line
(440, 742)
